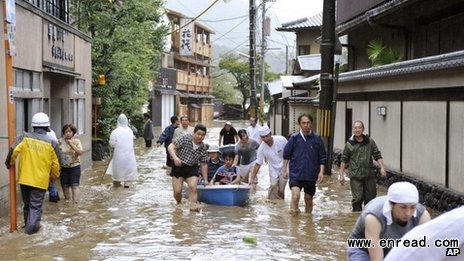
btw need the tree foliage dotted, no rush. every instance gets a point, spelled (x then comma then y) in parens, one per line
(240, 70)
(223, 88)
(127, 40)
(379, 54)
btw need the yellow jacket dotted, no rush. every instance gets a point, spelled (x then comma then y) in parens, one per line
(39, 159)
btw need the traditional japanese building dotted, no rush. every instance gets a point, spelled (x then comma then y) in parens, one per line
(294, 98)
(413, 105)
(184, 84)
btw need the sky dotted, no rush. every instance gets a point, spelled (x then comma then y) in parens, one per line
(230, 23)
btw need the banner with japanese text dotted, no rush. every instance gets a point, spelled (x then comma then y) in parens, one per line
(186, 34)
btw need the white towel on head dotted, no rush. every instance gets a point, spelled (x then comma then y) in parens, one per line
(400, 192)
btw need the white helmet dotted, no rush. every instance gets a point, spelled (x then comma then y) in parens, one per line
(40, 119)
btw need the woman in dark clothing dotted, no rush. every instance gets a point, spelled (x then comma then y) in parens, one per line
(228, 135)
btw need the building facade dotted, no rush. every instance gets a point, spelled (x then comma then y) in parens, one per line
(52, 74)
(412, 107)
(190, 57)
(295, 98)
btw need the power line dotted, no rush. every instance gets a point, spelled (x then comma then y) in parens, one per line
(233, 50)
(222, 35)
(195, 18)
(223, 20)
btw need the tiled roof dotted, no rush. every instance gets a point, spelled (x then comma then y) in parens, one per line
(431, 63)
(313, 22)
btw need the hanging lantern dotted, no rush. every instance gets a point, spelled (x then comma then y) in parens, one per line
(101, 80)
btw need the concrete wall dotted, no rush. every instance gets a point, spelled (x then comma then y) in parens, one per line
(456, 154)
(339, 139)
(385, 130)
(424, 140)
(360, 112)
(83, 66)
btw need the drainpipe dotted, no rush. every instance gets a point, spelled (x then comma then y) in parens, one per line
(10, 119)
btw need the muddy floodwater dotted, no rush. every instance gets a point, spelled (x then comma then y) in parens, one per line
(144, 223)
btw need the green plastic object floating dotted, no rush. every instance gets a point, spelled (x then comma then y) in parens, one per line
(250, 239)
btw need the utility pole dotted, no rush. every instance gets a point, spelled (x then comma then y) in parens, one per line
(327, 79)
(263, 69)
(8, 28)
(286, 60)
(265, 31)
(252, 59)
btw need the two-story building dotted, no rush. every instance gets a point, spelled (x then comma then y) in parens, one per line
(414, 107)
(295, 98)
(184, 84)
(52, 74)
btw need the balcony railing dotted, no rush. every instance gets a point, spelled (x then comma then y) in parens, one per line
(198, 82)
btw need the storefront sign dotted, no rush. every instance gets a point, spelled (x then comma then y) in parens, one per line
(59, 45)
(58, 36)
(186, 37)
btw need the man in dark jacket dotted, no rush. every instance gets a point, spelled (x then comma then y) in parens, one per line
(147, 130)
(166, 138)
(306, 152)
(357, 155)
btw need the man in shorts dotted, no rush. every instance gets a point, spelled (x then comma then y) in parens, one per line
(306, 153)
(187, 151)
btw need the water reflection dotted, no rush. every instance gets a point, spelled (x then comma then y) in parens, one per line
(144, 223)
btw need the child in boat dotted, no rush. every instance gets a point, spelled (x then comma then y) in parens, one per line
(214, 163)
(227, 174)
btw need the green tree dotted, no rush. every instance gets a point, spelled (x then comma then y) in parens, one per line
(240, 70)
(223, 88)
(127, 39)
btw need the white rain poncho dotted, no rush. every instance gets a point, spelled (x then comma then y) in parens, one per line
(123, 166)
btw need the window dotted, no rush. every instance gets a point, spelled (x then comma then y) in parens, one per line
(304, 50)
(24, 110)
(79, 86)
(36, 82)
(56, 8)
(78, 114)
(26, 80)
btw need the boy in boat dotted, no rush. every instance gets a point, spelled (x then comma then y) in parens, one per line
(227, 174)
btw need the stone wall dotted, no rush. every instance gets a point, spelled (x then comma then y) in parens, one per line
(431, 195)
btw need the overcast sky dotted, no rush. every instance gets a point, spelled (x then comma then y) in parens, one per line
(235, 31)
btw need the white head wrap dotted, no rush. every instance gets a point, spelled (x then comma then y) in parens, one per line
(264, 131)
(400, 192)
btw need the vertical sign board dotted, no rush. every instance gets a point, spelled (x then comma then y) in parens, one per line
(11, 20)
(186, 37)
(10, 11)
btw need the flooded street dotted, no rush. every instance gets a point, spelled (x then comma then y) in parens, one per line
(144, 223)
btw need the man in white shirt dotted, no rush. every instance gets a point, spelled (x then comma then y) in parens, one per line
(184, 127)
(253, 130)
(271, 149)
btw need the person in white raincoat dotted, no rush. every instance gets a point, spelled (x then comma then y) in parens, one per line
(123, 165)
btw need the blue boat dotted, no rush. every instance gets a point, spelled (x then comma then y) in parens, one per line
(224, 195)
